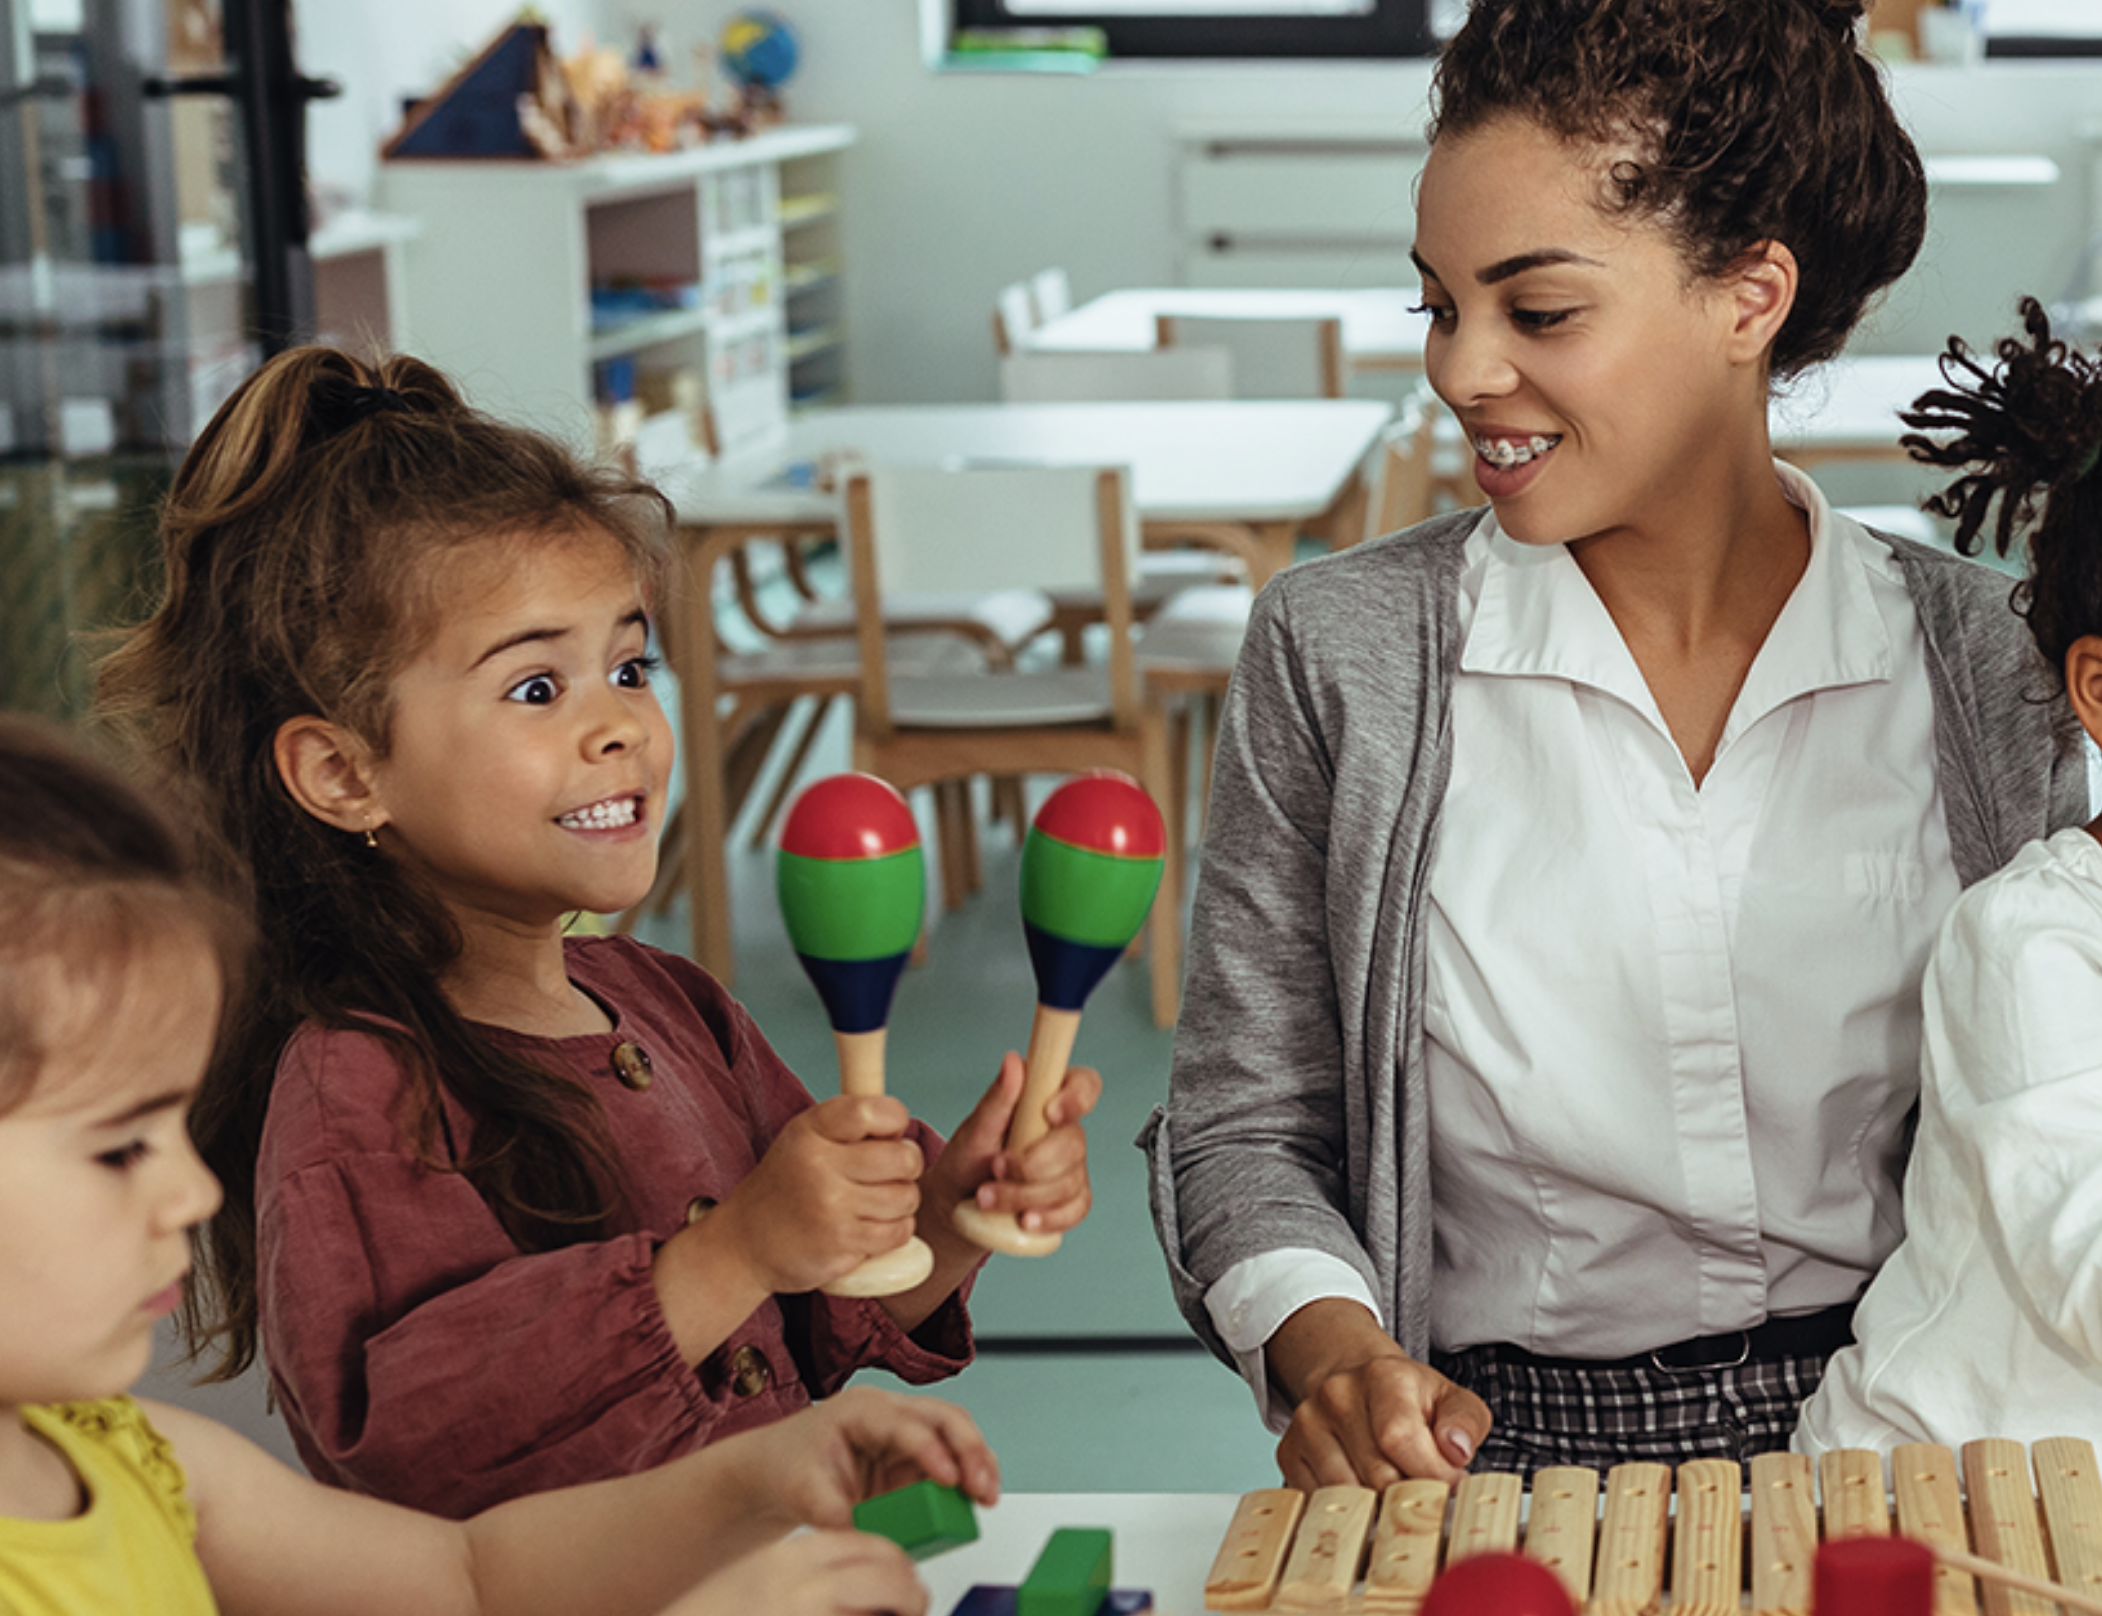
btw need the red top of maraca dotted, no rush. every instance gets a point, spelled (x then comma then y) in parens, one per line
(849, 816)
(1104, 812)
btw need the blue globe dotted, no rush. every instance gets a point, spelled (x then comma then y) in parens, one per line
(758, 49)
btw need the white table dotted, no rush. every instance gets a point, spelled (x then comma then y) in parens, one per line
(1379, 332)
(1848, 409)
(1162, 1541)
(1244, 476)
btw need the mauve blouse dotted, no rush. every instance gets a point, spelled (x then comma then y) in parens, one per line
(419, 1356)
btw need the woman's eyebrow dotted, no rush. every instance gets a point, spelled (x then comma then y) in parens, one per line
(1503, 269)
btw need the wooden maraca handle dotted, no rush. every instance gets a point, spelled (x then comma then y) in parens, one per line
(904, 1266)
(1051, 1037)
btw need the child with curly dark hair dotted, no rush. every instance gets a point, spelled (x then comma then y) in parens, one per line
(1988, 1319)
(1552, 1021)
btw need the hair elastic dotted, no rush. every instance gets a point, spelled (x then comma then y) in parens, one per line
(359, 402)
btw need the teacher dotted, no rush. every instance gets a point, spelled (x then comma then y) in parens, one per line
(1541, 1090)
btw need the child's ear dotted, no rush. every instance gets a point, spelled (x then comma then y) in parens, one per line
(327, 770)
(2083, 671)
(1762, 289)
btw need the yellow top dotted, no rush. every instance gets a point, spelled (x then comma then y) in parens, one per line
(131, 1552)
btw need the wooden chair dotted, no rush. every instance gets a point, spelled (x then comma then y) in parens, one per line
(1404, 490)
(990, 527)
(1186, 658)
(734, 702)
(1014, 316)
(1272, 358)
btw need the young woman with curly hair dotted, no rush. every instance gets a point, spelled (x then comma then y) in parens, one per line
(1553, 1017)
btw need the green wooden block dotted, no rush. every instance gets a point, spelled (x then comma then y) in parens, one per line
(1071, 1576)
(923, 1519)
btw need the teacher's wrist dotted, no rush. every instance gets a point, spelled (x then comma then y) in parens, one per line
(1322, 1339)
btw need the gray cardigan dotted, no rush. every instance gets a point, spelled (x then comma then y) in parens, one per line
(1296, 1114)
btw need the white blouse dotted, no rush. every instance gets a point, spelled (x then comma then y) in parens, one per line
(1672, 1031)
(1988, 1319)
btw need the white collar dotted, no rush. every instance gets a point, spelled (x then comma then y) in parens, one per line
(1537, 616)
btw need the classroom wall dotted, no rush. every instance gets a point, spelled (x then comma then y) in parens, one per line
(965, 181)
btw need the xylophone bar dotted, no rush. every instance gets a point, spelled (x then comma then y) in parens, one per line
(1289, 1551)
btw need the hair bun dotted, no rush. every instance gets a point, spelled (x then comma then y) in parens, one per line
(1841, 16)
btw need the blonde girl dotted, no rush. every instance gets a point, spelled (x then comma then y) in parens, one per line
(114, 959)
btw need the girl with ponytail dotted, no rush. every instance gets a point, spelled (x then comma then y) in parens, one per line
(403, 664)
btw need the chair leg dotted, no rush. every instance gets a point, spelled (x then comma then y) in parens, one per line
(1164, 924)
(764, 826)
(949, 826)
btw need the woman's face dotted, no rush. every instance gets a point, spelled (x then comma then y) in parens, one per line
(1600, 383)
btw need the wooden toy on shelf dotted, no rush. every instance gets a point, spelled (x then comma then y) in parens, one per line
(1090, 867)
(852, 883)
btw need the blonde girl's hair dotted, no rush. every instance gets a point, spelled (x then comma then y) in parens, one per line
(93, 880)
(305, 542)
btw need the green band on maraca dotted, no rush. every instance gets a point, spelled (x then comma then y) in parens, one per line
(852, 909)
(1096, 899)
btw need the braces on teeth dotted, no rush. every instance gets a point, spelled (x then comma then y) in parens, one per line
(1503, 452)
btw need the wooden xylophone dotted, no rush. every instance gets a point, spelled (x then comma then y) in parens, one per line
(1347, 1548)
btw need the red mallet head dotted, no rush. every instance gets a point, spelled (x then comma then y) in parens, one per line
(1089, 871)
(1874, 1576)
(1498, 1585)
(851, 883)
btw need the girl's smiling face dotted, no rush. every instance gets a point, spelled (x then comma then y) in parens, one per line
(99, 1183)
(527, 756)
(1599, 382)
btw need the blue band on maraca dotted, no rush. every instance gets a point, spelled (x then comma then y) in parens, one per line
(856, 993)
(1066, 972)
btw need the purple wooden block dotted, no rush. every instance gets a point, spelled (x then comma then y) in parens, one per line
(987, 1599)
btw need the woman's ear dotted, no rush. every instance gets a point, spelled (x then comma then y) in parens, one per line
(327, 770)
(2083, 671)
(1762, 289)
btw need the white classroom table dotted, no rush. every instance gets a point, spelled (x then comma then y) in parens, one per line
(1379, 332)
(1163, 1542)
(1244, 476)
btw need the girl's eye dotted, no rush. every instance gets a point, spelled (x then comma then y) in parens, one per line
(634, 674)
(124, 1156)
(1539, 319)
(537, 691)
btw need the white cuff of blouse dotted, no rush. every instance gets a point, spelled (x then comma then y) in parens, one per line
(1257, 1294)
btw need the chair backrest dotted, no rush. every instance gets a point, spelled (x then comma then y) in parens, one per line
(1404, 494)
(1050, 292)
(1070, 376)
(921, 528)
(1272, 358)
(1014, 316)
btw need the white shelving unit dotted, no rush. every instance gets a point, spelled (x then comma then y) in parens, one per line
(728, 255)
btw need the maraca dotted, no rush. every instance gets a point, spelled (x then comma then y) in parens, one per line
(1090, 867)
(851, 883)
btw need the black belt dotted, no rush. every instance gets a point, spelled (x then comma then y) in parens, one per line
(1797, 1335)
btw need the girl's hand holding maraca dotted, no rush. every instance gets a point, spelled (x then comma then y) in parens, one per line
(839, 1184)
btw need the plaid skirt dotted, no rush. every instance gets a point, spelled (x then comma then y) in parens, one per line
(1599, 1416)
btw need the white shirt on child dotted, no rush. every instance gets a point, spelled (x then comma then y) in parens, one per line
(1987, 1321)
(1672, 1031)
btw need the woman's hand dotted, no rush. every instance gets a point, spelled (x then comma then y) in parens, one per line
(816, 1574)
(1366, 1412)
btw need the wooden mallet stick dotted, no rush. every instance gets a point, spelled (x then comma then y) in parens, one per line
(1090, 868)
(852, 882)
